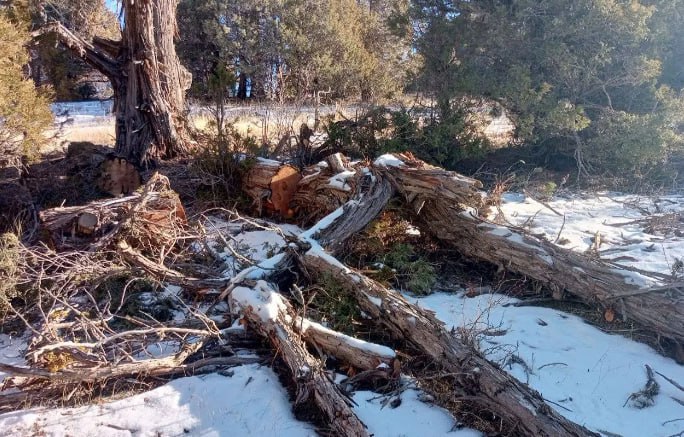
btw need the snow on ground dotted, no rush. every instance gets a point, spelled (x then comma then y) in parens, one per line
(589, 373)
(585, 374)
(613, 216)
(251, 402)
(11, 352)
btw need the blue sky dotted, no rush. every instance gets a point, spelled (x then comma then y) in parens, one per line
(111, 4)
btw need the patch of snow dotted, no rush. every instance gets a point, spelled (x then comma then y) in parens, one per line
(12, 351)
(375, 300)
(250, 403)
(339, 181)
(618, 218)
(411, 418)
(573, 364)
(270, 162)
(322, 224)
(388, 160)
(264, 302)
(412, 230)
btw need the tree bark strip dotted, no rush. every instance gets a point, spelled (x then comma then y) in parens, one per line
(449, 206)
(493, 396)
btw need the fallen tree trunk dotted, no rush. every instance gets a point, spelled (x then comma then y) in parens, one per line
(450, 208)
(489, 397)
(488, 393)
(270, 315)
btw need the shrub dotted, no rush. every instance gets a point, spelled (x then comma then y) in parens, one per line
(9, 267)
(24, 110)
(383, 130)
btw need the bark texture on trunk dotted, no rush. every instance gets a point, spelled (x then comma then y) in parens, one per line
(450, 207)
(150, 89)
(505, 404)
(148, 80)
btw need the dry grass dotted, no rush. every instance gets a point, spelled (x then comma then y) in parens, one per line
(103, 134)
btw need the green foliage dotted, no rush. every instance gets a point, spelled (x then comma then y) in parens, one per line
(291, 49)
(383, 130)
(24, 110)
(588, 78)
(389, 245)
(9, 257)
(338, 307)
(219, 162)
(412, 271)
(68, 75)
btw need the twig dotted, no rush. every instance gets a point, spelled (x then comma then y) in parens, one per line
(644, 397)
(671, 381)
(552, 364)
(560, 231)
(558, 405)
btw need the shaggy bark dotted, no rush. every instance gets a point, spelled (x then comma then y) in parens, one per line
(148, 80)
(490, 394)
(273, 318)
(450, 208)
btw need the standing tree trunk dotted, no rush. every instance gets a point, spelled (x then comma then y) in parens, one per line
(148, 80)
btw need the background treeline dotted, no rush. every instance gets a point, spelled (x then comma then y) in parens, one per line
(286, 50)
(594, 83)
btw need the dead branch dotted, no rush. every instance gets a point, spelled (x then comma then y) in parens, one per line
(267, 313)
(493, 396)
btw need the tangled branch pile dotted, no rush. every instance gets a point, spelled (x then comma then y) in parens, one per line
(95, 296)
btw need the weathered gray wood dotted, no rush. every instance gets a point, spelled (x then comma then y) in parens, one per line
(451, 207)
(493, 396)
(306, 371)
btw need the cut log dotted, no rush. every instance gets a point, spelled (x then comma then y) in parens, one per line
(490, 395)
(269, 315)
(151, 220)
(271, 185)
(450, 207)
(87, 222)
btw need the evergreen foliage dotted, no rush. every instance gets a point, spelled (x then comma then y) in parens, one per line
(24, 110)
(597, 79)
(290, 49)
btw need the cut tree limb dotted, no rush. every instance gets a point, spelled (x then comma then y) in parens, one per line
(269, 315)
(508, 406)
(450, 207)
